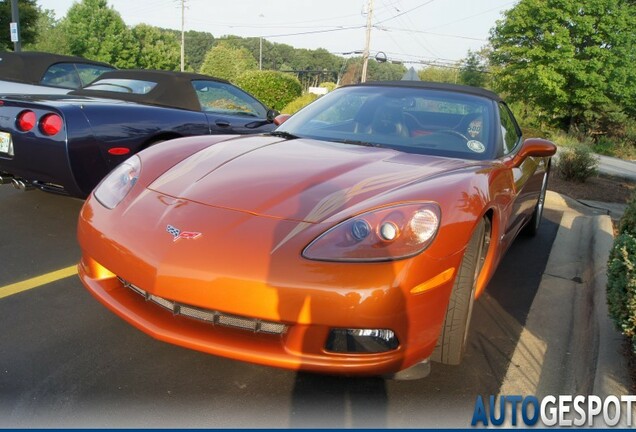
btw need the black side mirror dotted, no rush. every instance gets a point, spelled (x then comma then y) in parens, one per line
(271, 115)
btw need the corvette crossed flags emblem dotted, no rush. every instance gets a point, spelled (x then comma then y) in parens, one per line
(178, 234)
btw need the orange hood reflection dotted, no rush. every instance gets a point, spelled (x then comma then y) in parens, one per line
(274, 178)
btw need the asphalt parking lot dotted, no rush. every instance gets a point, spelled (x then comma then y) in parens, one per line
(65, 361)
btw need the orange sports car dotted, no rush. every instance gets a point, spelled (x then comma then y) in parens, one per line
(352, 240)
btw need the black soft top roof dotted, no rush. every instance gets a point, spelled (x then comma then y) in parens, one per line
(437, 86)
(173, 89)
(30, 66)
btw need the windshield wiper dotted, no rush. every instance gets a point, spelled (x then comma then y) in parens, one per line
(283, 134)
(361, 143)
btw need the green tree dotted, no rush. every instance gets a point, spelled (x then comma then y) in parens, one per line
(385, 71)
(197, 44)
(29, 13)
(50, 38)
(280, 57)
(157, 49)
(473, 71)
(351, 71)
(574, 60)
(227, 62)
(376, 71)
(311, 66)
(439, 74)
(96, 31)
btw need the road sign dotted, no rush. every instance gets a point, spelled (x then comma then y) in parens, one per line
(14, 32)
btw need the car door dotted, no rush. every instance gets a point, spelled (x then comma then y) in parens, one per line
(526, 177)
(231, 110)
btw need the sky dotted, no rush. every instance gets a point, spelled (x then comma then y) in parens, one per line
(416, 32)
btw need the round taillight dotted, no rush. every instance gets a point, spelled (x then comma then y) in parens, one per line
(118, 151)
(26, 120)
(51, 124)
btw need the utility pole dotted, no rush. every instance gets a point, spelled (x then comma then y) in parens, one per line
(15, 26)
(183, 35)
(260, 53)
(365, 54)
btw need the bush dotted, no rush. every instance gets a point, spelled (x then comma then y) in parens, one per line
(330, 86)
(624, 150)
(621, 285)
(576, 163)
(604, 146)
(627, 224)
(570, 139)
(299, 103)
(274, 89)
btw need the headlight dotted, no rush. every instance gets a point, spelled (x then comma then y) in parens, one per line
(118, 183)
(385, 234)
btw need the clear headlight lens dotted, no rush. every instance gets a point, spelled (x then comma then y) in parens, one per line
(118, 183)
(384, 234)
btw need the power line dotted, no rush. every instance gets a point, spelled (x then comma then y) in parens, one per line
(431, 33)
(417, 39)
(290, 23)
(406, 11)
(472, 16)
(314, 32)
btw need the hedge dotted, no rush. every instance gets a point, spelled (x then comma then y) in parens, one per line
(299, 102)
(274, 89)
(621, 276)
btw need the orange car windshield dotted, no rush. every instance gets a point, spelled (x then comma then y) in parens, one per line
(408, 119)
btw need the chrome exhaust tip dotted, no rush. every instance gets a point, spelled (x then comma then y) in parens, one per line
(6, 179)
(22, 184)
(17, 183)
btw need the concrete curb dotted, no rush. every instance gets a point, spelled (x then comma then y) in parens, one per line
(569, 344)
(611, 377)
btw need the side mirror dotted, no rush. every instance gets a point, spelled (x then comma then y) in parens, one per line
(281, 118)
(271, 115)
(533, 147)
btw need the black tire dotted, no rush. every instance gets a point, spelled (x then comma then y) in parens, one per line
(532, 227)
(452, 340)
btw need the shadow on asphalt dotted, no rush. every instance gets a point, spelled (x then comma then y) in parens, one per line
(66, 361)
(498, 319)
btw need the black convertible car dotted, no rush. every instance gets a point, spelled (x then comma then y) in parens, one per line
(31, 72)
(68, 143)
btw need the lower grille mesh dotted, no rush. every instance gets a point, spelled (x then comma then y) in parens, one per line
(210, 316)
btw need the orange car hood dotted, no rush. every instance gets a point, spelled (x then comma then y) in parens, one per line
(301, 179)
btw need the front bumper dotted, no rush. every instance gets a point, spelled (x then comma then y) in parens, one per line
(245, 279)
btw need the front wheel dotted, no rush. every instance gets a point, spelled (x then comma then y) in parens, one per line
(532, 227)
(452, 341)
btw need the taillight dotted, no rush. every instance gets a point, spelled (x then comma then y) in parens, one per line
(26, 121)
(51, 124)
(118, 151)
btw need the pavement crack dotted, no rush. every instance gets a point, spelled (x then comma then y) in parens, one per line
(575, 279)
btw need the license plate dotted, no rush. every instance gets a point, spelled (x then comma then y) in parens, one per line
(5, 142)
